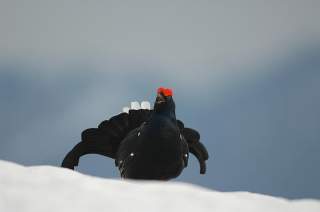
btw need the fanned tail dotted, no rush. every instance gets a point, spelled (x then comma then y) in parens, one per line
(196, 147)
(106, 139)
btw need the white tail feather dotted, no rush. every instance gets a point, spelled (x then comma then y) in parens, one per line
(125, 109)
(145, 105)
(135, 105)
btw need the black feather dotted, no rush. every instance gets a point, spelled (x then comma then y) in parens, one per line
(160, 144)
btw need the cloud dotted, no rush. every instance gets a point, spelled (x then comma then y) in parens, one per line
(206, 40)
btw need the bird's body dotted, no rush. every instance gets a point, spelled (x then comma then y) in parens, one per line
(153, 151)
(146, 144)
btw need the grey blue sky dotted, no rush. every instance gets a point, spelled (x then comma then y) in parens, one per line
(246, 74)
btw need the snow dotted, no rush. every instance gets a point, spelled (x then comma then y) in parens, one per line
(47, 188)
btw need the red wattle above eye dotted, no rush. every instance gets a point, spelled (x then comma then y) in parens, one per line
(165, 91)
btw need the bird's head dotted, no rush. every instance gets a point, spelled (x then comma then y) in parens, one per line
(164, 101)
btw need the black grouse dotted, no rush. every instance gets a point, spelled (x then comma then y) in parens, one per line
(146, 144)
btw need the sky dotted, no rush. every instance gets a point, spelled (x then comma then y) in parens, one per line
(244, 74)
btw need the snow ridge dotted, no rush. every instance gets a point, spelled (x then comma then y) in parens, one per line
(47, 188)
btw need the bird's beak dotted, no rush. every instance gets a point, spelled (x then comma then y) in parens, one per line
(160, 98)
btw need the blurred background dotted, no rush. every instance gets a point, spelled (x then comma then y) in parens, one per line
(245, 74)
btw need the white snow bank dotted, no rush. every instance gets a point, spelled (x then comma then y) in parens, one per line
(45, 188)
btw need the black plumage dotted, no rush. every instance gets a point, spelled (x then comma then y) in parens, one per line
(146, 144)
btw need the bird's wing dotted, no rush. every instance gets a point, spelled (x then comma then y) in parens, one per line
(195, 146)
(105, 139)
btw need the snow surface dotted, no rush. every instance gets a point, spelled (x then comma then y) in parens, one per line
(47, 188)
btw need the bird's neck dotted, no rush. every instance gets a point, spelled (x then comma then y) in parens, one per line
(167, 109)
(167, 113)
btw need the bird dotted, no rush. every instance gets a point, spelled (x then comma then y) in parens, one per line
(146, 144)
